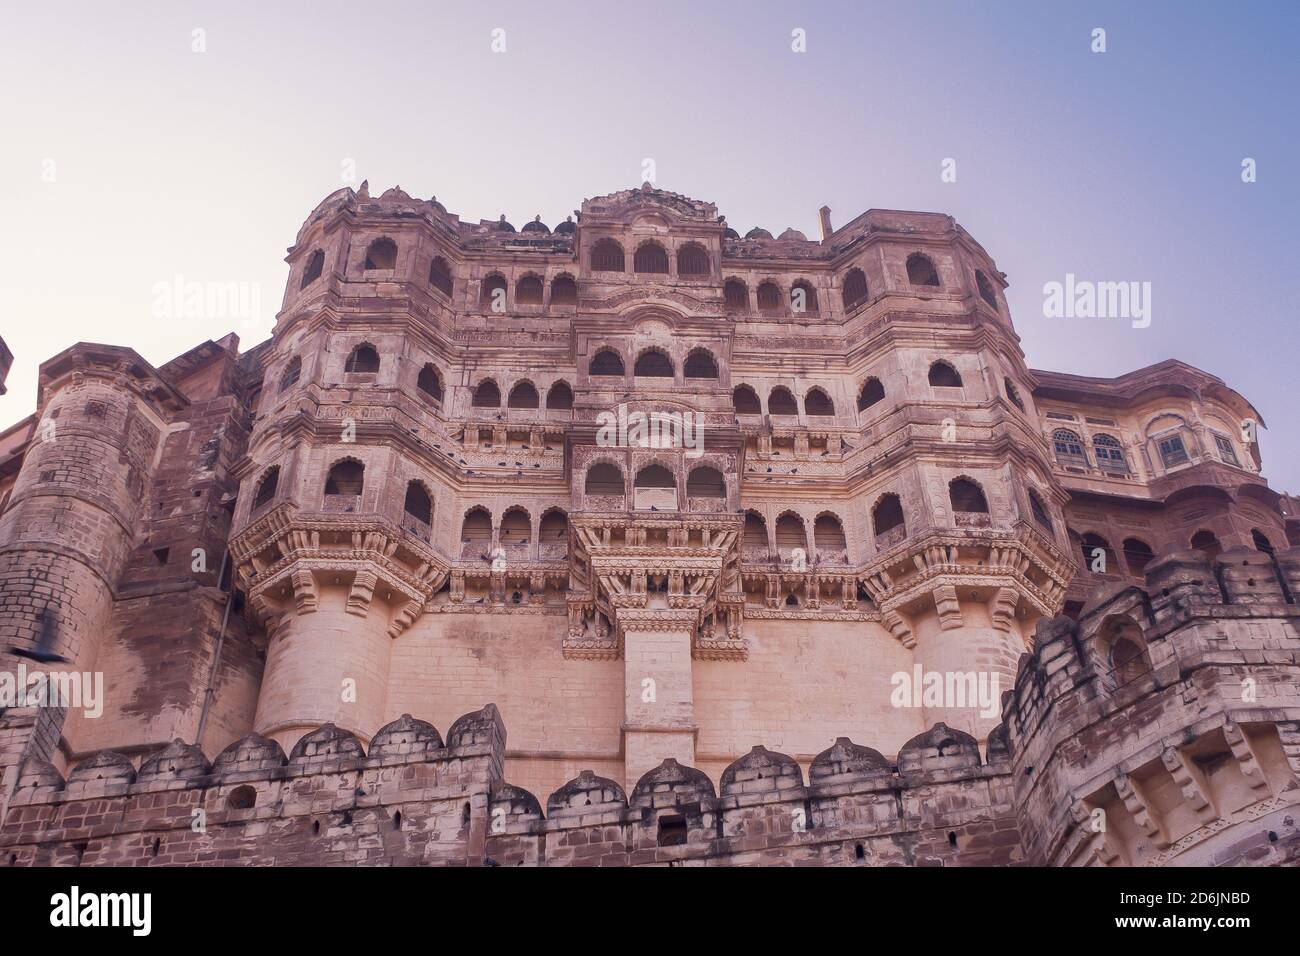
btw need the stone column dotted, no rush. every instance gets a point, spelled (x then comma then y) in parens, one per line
(66, 537)
(658, 693)
(327, 661)
(964, 644)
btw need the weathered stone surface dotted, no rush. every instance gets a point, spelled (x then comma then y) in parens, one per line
(878, 525)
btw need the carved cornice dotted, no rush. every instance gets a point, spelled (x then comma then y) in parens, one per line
(282, 553)
(925, 565)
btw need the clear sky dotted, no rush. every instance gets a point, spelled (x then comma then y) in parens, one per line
(129, 159)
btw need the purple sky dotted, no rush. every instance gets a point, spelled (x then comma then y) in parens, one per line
(130, 160)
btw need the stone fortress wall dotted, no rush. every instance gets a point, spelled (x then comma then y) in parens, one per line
(1189, 757)
(406, 495)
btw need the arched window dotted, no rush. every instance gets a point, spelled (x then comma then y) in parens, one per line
(700, 364)
(440, 275)
(476, 532)
(921, 271)
(872, 392)
(986, 289)
(418, 504)
(1137, 555)
(604, 479)
(242, 798)
(347, 477)
(1039, 510)
(1094, 546)
(653, 364)
(381, 254)
(292, 372)
(487, 395)
(781, 402)
(650, 257)
(706, 482)
(529, 291)
(655, 488)
(1069, 449)
(606, 362)
(655, 476)
(1127, 653)
(1110, 455)
(769, 297)
(818, 403)
(560, 397)
(790, 532)
(888, 515)
(736, 294)
(966, 497)
(429, 384)
(315, 265)
(492, 291)
(606, 256)
(363, 358)
(746, 401)
(516, 528)
(564, 290)
(554, 527)
(855, 289)
(692, 260)
(803, 298)
(1261, 541)
(943, 375)
(523, 395)
(1013, 394)
(266, 487)
(1207, 542)
(755, 531)
(828, 537)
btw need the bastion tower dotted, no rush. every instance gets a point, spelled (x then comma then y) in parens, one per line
(869, 460)
(428, 491)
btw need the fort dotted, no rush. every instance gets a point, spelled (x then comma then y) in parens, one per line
(406, 511)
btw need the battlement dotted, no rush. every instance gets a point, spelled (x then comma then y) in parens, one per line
(938, 804)
(1164, 725)
(414, 799)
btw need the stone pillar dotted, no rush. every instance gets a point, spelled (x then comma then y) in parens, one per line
(658, 693)
(956, 641)
(65, 539)
(70, 525)
(327, 660)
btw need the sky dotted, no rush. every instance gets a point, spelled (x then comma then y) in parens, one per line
(151, 146)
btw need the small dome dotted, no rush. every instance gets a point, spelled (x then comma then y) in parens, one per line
(730, 234)
(537, 226)
(792, 233)
(503, 226)
(566, 228)
(757, 233)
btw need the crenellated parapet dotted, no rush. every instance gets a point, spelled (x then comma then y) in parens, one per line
(937, 804)
(412, 799)
(409, 800)
(1163, 726)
